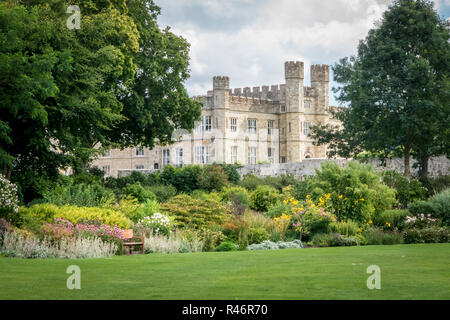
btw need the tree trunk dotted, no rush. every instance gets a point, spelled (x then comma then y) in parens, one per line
(407, 158)
(424, 159)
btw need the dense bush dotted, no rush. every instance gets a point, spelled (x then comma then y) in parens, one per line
(147, 209)
(251, 182)
(269, 245)
(333, 240)
(427, 235)
(435, 185)
(163, 192)
(277, 209)
(396, 218)
(194, 213)
(212, 177)
(407, 190)
(139, 192)
(227, 246)
(257, 235)
(82, 195)
(438, 206)
(232, 172)
(174, 243)
(157, 222)
(356, 191)
(263, 197)
(376, 236)
(346, 228)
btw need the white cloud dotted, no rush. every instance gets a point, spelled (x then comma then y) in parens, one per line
(250, 40)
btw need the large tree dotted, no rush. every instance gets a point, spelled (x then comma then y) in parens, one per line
(396, 89)
(118, 80)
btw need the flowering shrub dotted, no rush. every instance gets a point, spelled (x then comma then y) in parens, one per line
(174, 243)
(308, 217)
(263, 197)
(9, 202)
(158, 222)
(421, 221)
(59, 229)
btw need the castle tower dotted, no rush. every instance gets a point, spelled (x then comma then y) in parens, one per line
(294, 75)
(221, 91)
(320, 79)
(221, 96)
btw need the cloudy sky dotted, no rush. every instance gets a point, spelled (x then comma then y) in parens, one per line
(249, 40)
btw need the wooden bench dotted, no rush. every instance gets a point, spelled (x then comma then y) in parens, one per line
(130, 242)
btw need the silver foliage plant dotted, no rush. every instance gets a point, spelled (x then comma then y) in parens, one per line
(16, 245)
(174, 243)
(269, 245)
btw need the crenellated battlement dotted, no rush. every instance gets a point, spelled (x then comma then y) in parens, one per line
(255, 104)
(221, 83)
(294, 70)
(320, 73)
(274, 92)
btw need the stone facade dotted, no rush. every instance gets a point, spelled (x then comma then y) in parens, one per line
(268, 124)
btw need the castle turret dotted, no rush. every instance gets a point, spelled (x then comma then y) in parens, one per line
(294, 74)
(320, 79)
(221, 91)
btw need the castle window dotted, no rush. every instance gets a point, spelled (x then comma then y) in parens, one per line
(202, 154)
(139, 152)
(290, 129)
(139, 167)
(283, 159)
(271, 154)
(179, 157)
(307, 104)
(166, 157)
(252, 126)
(156, 166)
(106, 170)
(306, 128)
(251, 155)
(283, 108)
(270, 125)
(206, 123)
(233, 125)
(234, 153)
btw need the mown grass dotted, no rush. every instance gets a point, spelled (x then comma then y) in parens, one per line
(407, 272)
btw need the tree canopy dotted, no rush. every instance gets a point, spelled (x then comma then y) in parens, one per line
(115, 81)
(396, 88)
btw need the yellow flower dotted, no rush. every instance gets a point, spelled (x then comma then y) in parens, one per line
(308, 196)
(362, 199)
(340, 196)
(370, 222)
(388, 224)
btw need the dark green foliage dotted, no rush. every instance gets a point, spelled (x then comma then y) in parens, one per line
(436, 185)
(427, 235)
(139, 192)
(408, 190)
(251, 182)
(185, 179)
(438, 206)
(82, 195)
(227, 246)
(163, 192)
(333, 240)
(376, 236)
(395, 217)
(278, 209)
(232, 172)
(212, 177)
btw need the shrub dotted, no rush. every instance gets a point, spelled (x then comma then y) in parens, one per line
(333, 240)
(263, 197)
(34, 217)
(158, 222)
(269, 245)
(195, 213)
(251, 182)
(395, 217)
(346, 228)
(427, 235)
(227, 246)
(435, 185)
(356, 191)
(280, 182)
(174, 243)
(128, 206)
(147, 209)
(278, 209)
(82, 195)
(211, 239)
(238, 194)
(9, 202)
(376, 236)
(137, 191)
(407, 190)
(438, 206)
(257, 235)
(163, 192)
(16, 245)
(232, 172)
(183, 179)
(234, 228)
(212, 177)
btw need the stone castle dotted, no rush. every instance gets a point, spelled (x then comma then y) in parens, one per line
(246, 126)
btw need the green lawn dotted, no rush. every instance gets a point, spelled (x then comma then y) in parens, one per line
(407, 272)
